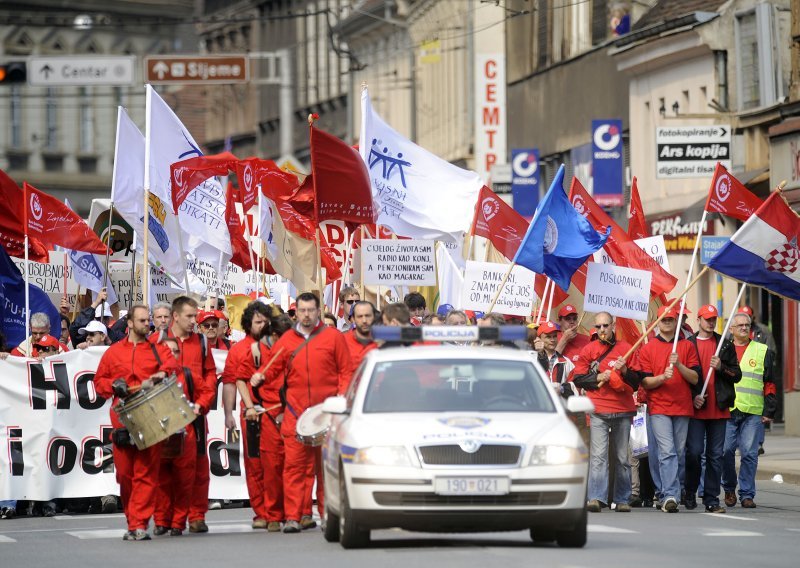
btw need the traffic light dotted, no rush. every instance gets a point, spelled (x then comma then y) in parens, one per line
(13, 72)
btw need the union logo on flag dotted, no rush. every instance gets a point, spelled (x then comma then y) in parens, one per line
(784, 258)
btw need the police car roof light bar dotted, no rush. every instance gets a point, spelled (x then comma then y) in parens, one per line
(460, 333)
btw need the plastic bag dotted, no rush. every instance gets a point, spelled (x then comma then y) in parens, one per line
(639, 433)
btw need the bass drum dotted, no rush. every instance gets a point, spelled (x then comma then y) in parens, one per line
(154, 415)
(312, 426)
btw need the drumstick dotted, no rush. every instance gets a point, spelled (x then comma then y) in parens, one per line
(271, 361)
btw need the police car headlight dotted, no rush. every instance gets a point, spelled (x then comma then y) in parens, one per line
(383, 455)
(557, 455)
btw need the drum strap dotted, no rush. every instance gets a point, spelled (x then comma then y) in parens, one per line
(155, 354)
(199, 422)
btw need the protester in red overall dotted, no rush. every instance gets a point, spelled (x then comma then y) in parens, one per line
(264, 474)
(195, 355)
(179, 459)
(668, 378)
(315, 363)
(359, 339)
(126, 366)
(604, 376)
(570, 342)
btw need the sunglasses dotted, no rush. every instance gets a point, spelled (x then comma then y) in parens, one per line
(46, 349)
(602, 325)
(209, 325)
(350, 302)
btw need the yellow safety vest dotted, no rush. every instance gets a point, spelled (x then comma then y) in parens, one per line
(750, 390)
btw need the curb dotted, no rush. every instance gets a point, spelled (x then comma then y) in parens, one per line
(767, 475)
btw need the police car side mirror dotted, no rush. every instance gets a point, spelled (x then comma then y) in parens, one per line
(577, 404)
(335, 405)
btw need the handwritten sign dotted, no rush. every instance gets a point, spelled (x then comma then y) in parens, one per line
(398, 263)
(653, 246)
(622, 292)
(482, 281)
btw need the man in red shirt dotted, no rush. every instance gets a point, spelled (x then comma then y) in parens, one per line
(195, 355)
(711, 411)
(264, 474)
(602, 373)
(128, 365)
(570, 343)
(209, 324)
(359, 339)
(314, 363)
(667, 377)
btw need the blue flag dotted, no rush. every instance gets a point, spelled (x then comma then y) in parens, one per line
(12, 299)
(559, 239)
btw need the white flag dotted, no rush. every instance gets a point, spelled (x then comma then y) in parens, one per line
(127, 195)
(292, 256)
(202, 214)
(451, 279)
(419, 195)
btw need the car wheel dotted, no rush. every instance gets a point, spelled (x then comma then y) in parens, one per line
(541, 535)
(350, 534)
(331, 532)
(575, 538)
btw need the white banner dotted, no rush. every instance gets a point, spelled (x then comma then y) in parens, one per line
(398, 262)
(56, 432)
(622, 292)
(653, 246)
(483, 279)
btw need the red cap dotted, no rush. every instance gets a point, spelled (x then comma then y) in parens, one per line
(203, 316)
(670, 312)
(47, 341)
(547, 327)
(292, 306)
(747, 310)
(221, 315)
(567, 310)
(708, 311)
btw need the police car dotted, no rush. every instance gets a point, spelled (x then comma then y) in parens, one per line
(454, 438)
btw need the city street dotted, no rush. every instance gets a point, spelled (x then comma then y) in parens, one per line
(766, 536)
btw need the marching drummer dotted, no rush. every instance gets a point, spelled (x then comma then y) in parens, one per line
(314, 361)
(127, 366)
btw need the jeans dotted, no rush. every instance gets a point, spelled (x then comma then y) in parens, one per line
(617, 427)
(743, 431)
(7, 504)
(670, 433)
(711, 435)
(652, 459)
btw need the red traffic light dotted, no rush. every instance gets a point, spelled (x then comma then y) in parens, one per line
(13, 72)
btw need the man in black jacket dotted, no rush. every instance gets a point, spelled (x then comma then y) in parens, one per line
(711, 410)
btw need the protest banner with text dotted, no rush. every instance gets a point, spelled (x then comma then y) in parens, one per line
(398, 263)
(622, 292)
(483, 279)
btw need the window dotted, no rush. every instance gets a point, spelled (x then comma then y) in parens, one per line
(758, 64)
(51, 121)
(15, 118)
(86, 125)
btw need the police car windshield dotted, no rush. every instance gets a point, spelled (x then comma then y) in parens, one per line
(482, 385)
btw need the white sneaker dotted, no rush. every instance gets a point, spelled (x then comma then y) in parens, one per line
(670, 505)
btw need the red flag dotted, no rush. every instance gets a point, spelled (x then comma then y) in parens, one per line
(497, 221)
(241, 254)
(729, 196)
(275, 183)
(54, 223)
(12, 228)
(637, 226)
(186, 175)
(342, 187)
(620, 247)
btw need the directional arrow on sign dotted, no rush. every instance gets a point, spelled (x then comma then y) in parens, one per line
(160, 68)
(46, 70)
(724, 132)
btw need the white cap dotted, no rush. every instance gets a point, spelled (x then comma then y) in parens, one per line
(93, 327)
(105, 313)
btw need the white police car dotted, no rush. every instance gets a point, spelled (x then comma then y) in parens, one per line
(454, 438)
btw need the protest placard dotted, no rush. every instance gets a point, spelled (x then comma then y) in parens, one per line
(483, 279)
(653, 246)
(622, 292)
(398, 263)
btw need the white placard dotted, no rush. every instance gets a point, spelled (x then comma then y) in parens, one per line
(398, 263)
(622, 292)
(483, 279)
(653, 246)
(50, 277)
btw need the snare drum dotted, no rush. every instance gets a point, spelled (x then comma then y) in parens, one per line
(154, 415)
(312, 426)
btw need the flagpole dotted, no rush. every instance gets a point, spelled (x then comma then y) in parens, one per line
(734, 309)
(108, 250)
(25, 208)
(471, 248)
(320, 281)
(361, 249)
(550, 300)
(662, 316)
(547, 284)
(688, 278)
(183, 254)
(146, 218)
(250, 241)
(502, 285)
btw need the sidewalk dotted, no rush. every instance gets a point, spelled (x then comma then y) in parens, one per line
(782, 456)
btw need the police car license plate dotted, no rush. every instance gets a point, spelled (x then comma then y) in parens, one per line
(471, 485)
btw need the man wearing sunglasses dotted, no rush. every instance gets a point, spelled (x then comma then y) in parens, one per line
(209, 324)
(603, 374)
(756, 403)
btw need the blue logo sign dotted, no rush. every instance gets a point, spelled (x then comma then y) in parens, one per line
(387, 161)
(525, 180)
(709, 246)
(607, 162)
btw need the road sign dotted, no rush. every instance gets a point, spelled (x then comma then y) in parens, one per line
(175, 69)
(69, 70)
(692, 151)
(709, 246)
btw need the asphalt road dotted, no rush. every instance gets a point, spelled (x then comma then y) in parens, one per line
(762, 537)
